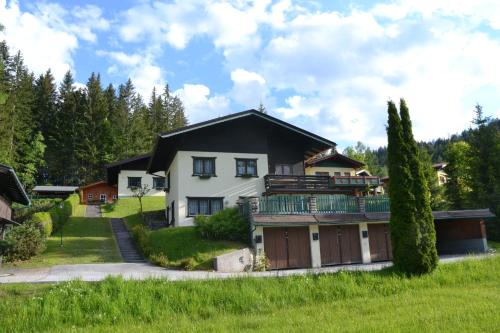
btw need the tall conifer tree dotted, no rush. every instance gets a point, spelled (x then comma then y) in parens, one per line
(426, 255)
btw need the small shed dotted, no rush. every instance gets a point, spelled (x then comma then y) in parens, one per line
(97, 193)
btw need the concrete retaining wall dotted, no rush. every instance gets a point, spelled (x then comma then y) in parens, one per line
(236, 261)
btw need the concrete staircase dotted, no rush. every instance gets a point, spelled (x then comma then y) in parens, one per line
(125, 242)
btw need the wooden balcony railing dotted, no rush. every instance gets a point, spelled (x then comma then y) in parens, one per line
(356, 180)
(280, 183)
(316, 184)
(316, 204)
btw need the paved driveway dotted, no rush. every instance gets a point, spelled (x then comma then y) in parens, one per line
(141, 271)
(93, 211)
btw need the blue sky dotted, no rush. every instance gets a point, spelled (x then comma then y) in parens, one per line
(327, 66)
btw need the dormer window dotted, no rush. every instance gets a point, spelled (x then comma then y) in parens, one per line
(204, 167)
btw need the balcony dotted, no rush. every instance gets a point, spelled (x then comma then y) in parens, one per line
(317, 184)
(317, 204)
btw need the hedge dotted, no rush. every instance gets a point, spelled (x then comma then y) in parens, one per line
(56, 217)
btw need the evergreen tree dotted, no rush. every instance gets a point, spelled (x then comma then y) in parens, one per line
(404, 228)
(261, 108)
(457, 188)
(426, 255)
(437, 193)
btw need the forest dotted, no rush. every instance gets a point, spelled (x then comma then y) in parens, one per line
(63, 134)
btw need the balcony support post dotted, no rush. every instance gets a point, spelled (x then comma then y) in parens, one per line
(313, 205)
(361, 204)
(254, 205)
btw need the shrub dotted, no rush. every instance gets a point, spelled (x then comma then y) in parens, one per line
(188, 264)
(228, 224)
(262, 263)
(159, 259)
(22, 214)
(141, 237)
(26, 241)
(45, 219)
(5, 246)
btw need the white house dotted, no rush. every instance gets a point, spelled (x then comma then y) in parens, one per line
(131, 172)
(210, 165)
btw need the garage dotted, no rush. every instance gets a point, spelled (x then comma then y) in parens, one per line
(287, 247)
(339, 245)
(380, 242)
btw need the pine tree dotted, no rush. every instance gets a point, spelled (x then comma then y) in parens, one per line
(404, 228)
(426, 255)
(457, 188)
(261, 108)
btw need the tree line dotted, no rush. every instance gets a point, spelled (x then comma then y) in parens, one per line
(64, 135)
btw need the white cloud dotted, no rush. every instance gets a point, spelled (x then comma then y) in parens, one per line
(45, 36)
(200, 105)
(249, 88)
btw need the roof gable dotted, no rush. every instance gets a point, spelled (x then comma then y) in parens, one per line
(236, 132)
(335, 159)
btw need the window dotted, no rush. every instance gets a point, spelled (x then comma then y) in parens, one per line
(347, 173)
(158, 183)
(246, 167)
(203, 166)
(204, 206)
(102, 197)
(90, 196)
(337, 173)
(283, 169)
(115, 197)
(134, 182)
(322, 173)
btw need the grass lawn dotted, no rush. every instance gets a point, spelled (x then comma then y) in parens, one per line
(183, 243)
(129, 209)
(85, 241)
(177, 244)
(460, 297)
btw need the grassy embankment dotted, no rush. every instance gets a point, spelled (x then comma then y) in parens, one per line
(85, 241)
(178, 244)
(460, 297)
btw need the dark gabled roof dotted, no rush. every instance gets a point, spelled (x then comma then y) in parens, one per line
(234, 116)
(334, 157)
(129, 160)
(134, 163)
(10, 186)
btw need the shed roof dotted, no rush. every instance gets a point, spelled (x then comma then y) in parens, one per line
(55, 188)
(10, 186)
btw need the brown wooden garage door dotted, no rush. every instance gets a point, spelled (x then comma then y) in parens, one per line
(287, 247)
(380, 242)
(339, 244)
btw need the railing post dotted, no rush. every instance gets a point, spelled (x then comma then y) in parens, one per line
(313, 205)
(361, 204)
(254, 205)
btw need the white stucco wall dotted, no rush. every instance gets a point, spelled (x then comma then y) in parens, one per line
(124, 191)
(225, 184)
